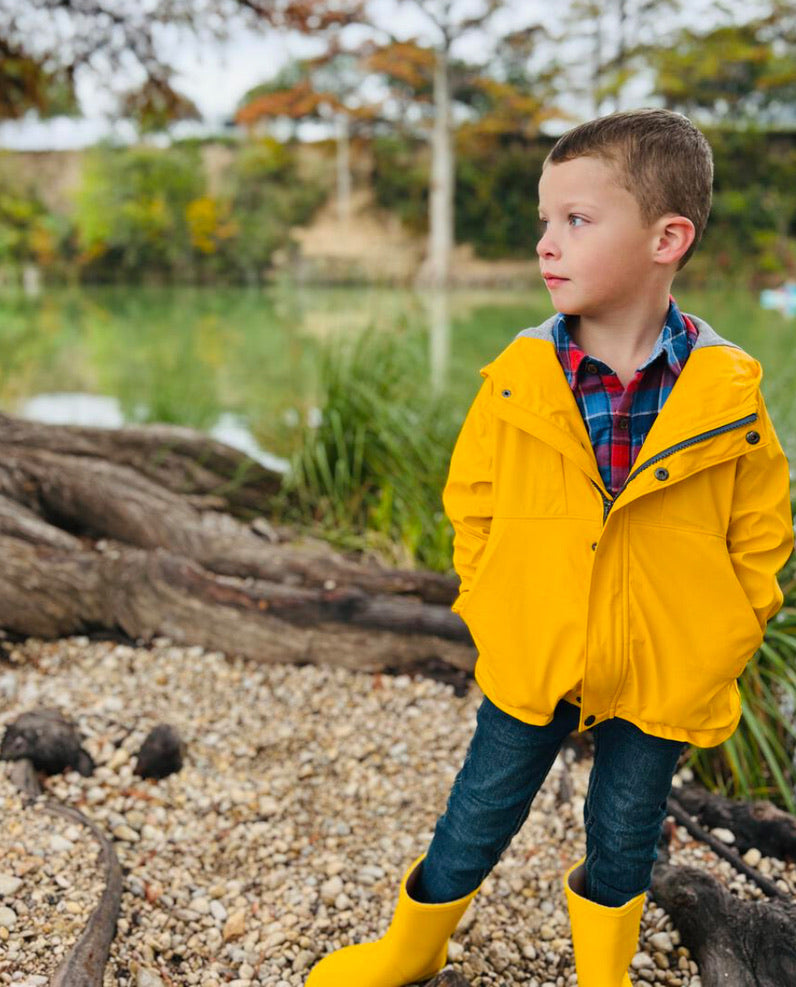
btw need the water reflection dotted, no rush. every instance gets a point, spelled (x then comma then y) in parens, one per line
(245, 362)
(439, 339)
(98, 411)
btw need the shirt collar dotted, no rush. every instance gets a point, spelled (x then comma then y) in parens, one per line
(673, 340)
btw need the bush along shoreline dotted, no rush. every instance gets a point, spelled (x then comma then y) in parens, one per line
(158, 215)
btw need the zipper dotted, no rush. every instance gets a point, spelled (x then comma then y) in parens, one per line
(739, 423)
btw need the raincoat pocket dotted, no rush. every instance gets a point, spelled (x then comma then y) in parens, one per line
(465, 599)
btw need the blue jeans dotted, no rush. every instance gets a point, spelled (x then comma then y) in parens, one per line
(506, 764)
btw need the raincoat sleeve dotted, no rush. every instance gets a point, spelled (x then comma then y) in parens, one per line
(760, 533)
(467, 497)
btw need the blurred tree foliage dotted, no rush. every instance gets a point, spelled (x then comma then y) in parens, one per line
(751, 232)
(29, 82)
(155, 106)
(400, 179)
(145, 213)
(266, 196)
(735, 72)
(29, 232)
(132, 212)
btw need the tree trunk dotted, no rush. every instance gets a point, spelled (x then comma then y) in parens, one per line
(436, 269)
(132, 530)
(343, 169)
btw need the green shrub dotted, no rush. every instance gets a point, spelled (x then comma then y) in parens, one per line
(759, 759)
(400, 180)
(496, 200)
(266, 197)
(27, 233)
(144, 213)
(131, 212)
(371, 473)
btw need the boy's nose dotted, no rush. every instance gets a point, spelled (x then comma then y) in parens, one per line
(546, 246)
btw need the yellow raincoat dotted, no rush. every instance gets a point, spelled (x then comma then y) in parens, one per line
(648, 605)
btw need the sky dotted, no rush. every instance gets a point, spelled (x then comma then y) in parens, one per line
(215, 75)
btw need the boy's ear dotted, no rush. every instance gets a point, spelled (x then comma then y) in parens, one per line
(675, 234)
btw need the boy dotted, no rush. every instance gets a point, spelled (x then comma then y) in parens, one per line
(621, 507)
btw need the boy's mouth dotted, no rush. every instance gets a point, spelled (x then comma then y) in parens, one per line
(553, 280)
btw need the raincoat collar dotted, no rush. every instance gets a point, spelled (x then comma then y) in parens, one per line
(717, 386)
(672, 342)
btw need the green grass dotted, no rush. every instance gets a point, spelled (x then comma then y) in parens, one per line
(370, 475)
(757, 762)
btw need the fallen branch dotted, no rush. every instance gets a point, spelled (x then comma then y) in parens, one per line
(84, 964)
(138, 531)
(721, 849)
(754, 824)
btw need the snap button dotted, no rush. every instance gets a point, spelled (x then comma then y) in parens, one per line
(661, 473)
(753, 438)
(506, 393)
(591, 368)
(622, 423)
(577, 698)
(589, 720)
(594, 546)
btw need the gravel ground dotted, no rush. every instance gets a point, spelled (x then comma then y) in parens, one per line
(305, 795)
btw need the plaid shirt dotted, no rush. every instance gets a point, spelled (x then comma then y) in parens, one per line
(617, 418)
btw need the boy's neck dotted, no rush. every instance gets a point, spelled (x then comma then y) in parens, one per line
(623, 336)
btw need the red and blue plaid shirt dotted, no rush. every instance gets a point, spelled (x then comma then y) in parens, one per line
(618, 418)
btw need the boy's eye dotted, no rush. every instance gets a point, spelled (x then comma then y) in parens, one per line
(575, 220)
(543, 224)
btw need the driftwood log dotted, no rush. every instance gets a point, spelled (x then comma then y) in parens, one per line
(743, 943)
(159, 530)
(754, 824)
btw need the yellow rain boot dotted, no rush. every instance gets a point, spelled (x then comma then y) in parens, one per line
(604, 939)
(414, 948)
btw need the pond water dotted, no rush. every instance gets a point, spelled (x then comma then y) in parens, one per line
(241, 364)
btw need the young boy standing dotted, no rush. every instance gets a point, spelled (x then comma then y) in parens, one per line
(621, 508)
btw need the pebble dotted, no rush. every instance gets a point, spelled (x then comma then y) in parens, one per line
(235, 925)
(218, 911)
(9, 885)
(8, 917)
(302, 800)
(661, 941)
(59, 844)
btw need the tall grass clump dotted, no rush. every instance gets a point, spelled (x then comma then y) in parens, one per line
(370, 475)
(759, 760)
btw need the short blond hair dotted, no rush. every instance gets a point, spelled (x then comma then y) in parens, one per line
(661, 158)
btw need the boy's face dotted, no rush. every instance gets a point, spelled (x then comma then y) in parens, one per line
(595, 253)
